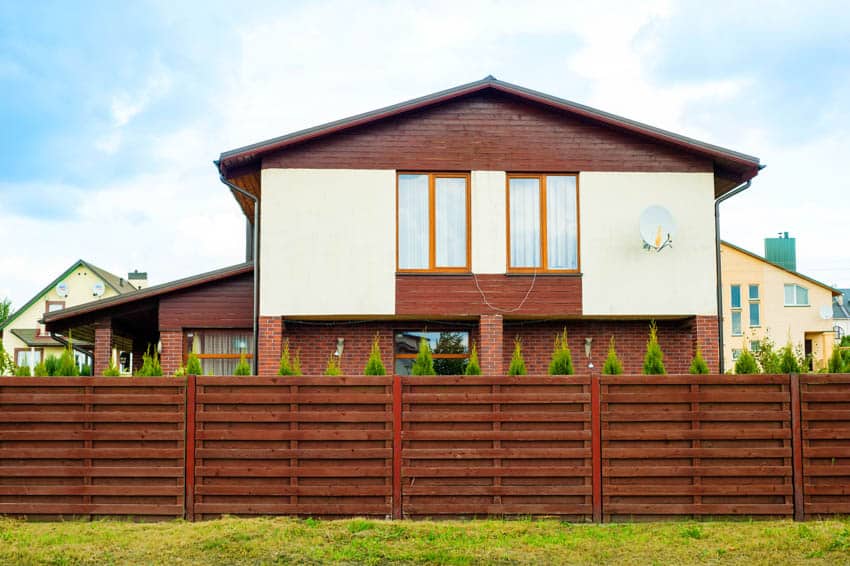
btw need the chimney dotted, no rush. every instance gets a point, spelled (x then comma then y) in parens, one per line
(138, 279)
(782, 251)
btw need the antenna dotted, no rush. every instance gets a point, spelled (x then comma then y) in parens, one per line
(657, 228)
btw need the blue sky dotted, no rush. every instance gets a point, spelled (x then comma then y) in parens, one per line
(112, 113)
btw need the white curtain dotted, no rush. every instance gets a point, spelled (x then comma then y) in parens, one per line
(525, 222)
(413, 230)
(450, 220)
(561, 223)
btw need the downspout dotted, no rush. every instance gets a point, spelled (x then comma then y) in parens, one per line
(256, 259)
(739, 189)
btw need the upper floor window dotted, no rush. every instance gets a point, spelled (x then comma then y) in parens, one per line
(433, 222)
(736, 296)
(754, 292)
(796, 296)
(543, 223)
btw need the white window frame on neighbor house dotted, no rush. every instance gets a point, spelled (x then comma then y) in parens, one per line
(755, 305)
(737, 318)
(795, 295)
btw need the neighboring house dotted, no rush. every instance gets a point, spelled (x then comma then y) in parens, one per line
(25, 337)
(841, 314)
(479, 214)
(763, 298)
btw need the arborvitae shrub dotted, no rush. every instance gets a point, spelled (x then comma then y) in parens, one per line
(333, 367)
(768, 357)
(193, 365)
(180, 371)
(562, 358)
(788, 362)
(23, 371)
(746, 363)
(243, 367)
(111, 370)
(67, 366)
(288, 366)
(150, 364)
(836, 362)
(698, 364)
(653, 362)
(40, 369)
(424, 362)
(85, 370)
(374, 365)
(473, 367)
(613, 365)
(517, 366)
(51, 364)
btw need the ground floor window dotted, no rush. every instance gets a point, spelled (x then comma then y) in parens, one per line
(28, 357)
(450, 350)
(220, 350)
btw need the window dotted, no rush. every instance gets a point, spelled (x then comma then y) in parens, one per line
(755, 346)
(736, 296)
(433, 222)
(736, 353)
(53, 306)
(543, 223)
(220, 350)
(754, 292)
(796, 296)
(754, 314)
(28, 357)
(736, 323)
(450, 350)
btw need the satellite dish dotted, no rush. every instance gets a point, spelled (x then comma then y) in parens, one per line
(97, 289)
(826, 312)
(62, 289)
(657, 228)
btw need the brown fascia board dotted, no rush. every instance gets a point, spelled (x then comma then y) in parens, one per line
(749, 165)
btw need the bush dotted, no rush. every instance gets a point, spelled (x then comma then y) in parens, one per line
(424, 362)
(67, 366)
(51, 364)
(86, 370)
(517, 366)
(111, 370)
(333, 367)
(243, 367)
(6, 363)
(193, 365)
(473, 367)
(653, 362)
(835, 364)
(288, 365)
(788, 362)
(562, 358)
(746, 363)
(374, 365)
(768, 357)
(150, 364)
(180, 371)
(613, 365)
(23, 371)
(698, 365)
(40, 369)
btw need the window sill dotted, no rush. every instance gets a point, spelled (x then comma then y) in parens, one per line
(544, 274)
(797, 306)
(737, 335)
(432, 273)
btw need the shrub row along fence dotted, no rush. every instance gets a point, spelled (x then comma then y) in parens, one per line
(585, 448)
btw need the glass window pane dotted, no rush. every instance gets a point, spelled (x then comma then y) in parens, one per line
(736, 323)
(754, 292)
(736, 353)
(218, 367)
(413, 229)
(450, 222)
(736, 296)
(226, 343)
(754, 314)
(789, 295)
(561, 223)
(407, 342)
(755, 346)
(802, 295)
(525, 222)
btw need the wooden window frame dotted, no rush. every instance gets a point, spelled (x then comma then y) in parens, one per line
(544, 232)
(434, 355)
(187, 344)
(432, 224)
(28, 350)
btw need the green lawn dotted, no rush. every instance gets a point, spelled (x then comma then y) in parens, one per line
(359, 541)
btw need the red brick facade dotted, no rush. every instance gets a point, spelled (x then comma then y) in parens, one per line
(490, 348)
(171, 356)
(707, 338)
(102, 347)
(271, 333)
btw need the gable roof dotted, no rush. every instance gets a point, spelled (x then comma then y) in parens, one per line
(110, 279)
(835, 292)
(745, 167)
(32, 338)
(841, 305)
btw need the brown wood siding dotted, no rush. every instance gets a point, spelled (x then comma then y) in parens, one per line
(487, 131)
(221, 304)
(458, 295)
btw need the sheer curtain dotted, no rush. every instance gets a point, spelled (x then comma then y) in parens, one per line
(525, 222)
(413, 229)
(450, 222)
(561, 223)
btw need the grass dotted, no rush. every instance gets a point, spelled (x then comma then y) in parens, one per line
(361, 541)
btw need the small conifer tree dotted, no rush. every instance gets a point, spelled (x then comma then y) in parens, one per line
(374, 365)
(111, 370)
(562, 359)
(287, 367)
(6, 363)
(613, 365)
(788, 362)
(333, 367)
(243, 367)
(746, 363)
(40, 369)
(698, 364)
(517, 366)
(52, 365)
(193, 365)
(473, 367)
(150, 364)
(23, 371)
(424, 362)
(836, 362)
(67, 366)
(85, 370)
(653, 362)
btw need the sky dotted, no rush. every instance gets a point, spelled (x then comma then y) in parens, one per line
(111, 113)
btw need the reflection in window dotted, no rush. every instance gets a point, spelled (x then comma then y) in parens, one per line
(450, 351)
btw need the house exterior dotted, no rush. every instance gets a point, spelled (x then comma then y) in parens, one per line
(841, 314)
(25, 337)
(763, 299)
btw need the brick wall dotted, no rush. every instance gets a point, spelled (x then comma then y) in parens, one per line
(490, 349)
(707, 338)
(171, 356)
(102, 347)
(268, 357)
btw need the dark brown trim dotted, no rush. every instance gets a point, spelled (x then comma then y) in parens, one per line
(40, 350)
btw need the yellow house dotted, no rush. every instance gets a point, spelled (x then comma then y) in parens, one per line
(764, 299)
(26, 340)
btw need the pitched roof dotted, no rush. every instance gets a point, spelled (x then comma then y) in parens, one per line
(833, 290)
(747, 165)
(841, 305)
(32, 338)
(110, 279)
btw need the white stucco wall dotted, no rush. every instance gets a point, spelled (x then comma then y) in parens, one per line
(621, 278)
(328, 242)
(489, 207)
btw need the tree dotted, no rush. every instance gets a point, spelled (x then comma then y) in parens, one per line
(243, 367)
(111, 370)
(6, 363)
(653, 362)
(768, 357)
(788, 362)
(473, 367)
(375, 365)
(67, 366)
(562, 359)
(698, 365)
(517, 366)
(333, 367)
(289, 366)
(193, 365)
(746, 363)
(836, 362)
(5, 309)
(613, 365)
(424, 362)
(150, 364)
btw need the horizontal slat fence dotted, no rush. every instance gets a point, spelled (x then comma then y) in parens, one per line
(695, 446)
(87, 446)
(496, 446)
(825, 401)
(293, 446)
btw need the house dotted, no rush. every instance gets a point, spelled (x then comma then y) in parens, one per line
(25, 337)
(478, 215)
(841, 314)
(764, 297)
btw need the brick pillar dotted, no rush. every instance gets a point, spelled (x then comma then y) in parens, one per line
(707, 338)
(491, 348)
(102, 346)
(171, 356)
(271, 343)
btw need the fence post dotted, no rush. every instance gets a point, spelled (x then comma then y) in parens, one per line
(797, 448)
(596, 446)
(189, 467)
(396, 473)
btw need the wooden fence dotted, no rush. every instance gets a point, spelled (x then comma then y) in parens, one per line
(585, 448)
